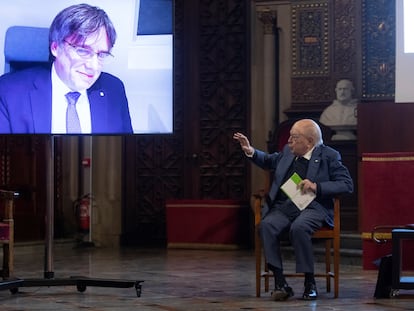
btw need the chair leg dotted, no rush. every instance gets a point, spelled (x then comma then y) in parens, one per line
(258, 253)
(336, 263)
(266, 276)
(328, 246)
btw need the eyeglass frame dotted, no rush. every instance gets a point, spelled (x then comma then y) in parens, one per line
(90, 53)
(295, 136)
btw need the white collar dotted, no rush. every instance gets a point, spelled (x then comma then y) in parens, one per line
(308, 154)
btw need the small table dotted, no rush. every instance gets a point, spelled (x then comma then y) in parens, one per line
(399, 281)
(7, 239)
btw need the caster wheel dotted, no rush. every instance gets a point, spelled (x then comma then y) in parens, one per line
(81, 288)
(394, 293)
(138, 288)
(14, 290)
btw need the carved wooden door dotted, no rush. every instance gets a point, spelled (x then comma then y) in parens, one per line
(199, 160)
(22, 170)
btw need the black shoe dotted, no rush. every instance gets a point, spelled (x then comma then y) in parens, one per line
(310, 293)
(282, 292)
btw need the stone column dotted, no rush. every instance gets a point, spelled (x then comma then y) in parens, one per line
(263, 87)
(107, 190)
(269, 20)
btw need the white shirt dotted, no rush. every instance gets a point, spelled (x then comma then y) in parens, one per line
(59, 105)
(308, 154)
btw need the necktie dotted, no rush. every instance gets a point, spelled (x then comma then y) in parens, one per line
(72, 119)
(301, 166)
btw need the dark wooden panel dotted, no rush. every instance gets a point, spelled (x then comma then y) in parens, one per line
(199, 160)
(385, 127)
(23, 169)
(340, 33)
(223, 99)
(378, 41)
(349, 202)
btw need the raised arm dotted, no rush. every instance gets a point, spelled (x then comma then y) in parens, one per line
(244, 143)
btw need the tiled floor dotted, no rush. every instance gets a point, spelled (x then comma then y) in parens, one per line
(178, 280)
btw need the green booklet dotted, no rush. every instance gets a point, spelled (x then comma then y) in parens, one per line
(292, 190)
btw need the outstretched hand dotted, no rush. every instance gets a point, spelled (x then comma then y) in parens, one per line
(244, 143)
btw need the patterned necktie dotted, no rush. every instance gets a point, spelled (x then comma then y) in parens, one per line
(72, 119)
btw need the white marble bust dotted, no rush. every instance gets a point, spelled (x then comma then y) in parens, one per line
(341, 114)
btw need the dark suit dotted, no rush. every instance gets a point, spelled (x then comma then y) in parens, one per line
(331, 176)
(26, 103)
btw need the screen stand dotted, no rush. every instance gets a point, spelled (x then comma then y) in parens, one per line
(48, 280)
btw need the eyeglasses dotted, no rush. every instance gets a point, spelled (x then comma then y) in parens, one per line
(295, 136)
(88, 53)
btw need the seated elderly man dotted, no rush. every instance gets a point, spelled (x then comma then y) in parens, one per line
(323, 176)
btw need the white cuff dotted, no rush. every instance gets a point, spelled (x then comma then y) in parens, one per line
(251, 154)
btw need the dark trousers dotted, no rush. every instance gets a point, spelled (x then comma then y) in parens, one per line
(276, 223)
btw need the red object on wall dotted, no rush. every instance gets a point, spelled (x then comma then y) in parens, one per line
(387, 200)
(84, 214)
(207, 223)
(86, 162)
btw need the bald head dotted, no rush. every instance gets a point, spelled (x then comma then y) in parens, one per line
(310, 129)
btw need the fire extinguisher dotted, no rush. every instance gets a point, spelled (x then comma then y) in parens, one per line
(83, 212)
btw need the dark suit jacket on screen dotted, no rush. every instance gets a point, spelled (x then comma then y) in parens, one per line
(26, 103)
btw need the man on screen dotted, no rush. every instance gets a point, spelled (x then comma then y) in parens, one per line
(74, 96)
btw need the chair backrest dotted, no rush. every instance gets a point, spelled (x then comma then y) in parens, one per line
(280, 136)
(25, 47)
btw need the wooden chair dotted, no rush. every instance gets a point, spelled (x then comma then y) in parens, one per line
(7, 234)
(332, 248)
(331, 235)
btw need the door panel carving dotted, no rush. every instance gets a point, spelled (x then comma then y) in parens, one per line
(200, 160)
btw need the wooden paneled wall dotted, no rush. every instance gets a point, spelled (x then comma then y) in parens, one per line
(385, 127)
